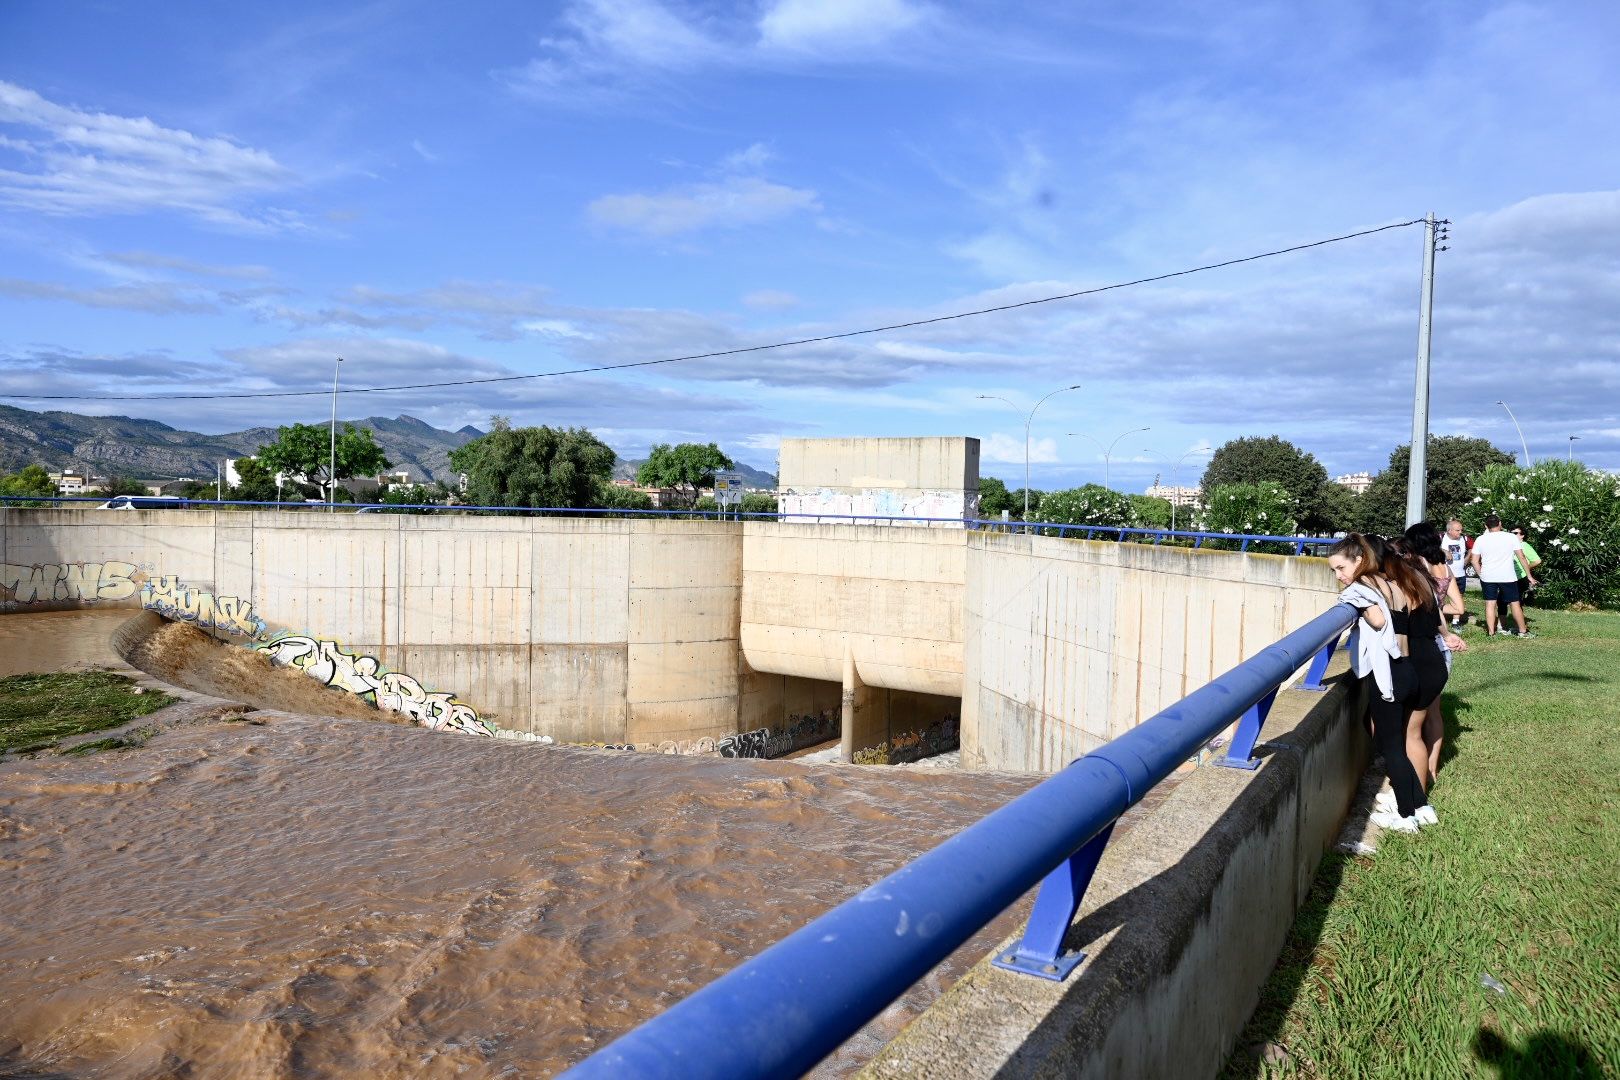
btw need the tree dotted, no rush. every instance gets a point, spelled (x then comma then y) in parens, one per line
(117, 485)
(683, 469)
(1272, 460)
(409, 495)
(994, 498)
(1150, 512)
(306, 450)
(1016, 495)
(757, 502)
(534, 466)
(1569, 514)
(1341, 508)
(619, 497)
(1454, 461)
(32, 481)
(256, 482)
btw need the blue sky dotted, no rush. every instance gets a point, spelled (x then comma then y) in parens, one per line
(201, 197)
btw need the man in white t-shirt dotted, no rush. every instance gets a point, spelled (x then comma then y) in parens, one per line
(1492, 559)
(1455, 545)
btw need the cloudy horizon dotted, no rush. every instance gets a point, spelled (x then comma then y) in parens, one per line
(202, 200)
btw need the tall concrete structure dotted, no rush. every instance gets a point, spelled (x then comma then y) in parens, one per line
(665, 632)
(835, 479)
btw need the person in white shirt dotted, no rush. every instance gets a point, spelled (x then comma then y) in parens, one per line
(1492, 559)
(1455, 546)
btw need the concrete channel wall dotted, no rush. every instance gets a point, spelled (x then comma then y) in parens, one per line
(1068, 643)
(1181, 924)
(668, 632)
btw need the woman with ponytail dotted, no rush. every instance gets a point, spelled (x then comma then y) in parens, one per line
(1397, 646)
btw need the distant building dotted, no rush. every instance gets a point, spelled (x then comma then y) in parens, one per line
(69, 482)
(1357, 482)
(1178, 496)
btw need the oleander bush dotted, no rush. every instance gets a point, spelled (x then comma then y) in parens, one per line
(1570, 514)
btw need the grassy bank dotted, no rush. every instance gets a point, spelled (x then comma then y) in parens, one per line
(38, 711)
(1489, 945)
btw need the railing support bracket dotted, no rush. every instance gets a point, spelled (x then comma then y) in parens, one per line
(1041, 952)
(1240, 755)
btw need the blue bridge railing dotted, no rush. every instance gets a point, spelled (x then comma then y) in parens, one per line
(1242, 541)
(783, 1011)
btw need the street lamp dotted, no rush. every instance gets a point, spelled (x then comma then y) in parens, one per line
(331, 465)
(1027, 421)
(1520, 430)
(1109, 451)
(1573, 439)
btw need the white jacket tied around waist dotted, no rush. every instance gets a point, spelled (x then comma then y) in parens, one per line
(1372, 650)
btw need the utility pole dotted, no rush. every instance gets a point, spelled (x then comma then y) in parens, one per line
(331, 467)
(1417, 476)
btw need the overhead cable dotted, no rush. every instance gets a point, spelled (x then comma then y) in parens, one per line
(740, 350)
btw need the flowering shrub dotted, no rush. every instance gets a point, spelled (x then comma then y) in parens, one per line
(1569, 514)
(1250, 508)
(1089, 505)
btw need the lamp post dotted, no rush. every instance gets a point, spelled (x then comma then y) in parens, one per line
(1520, 430)
(1027, 422)
(331, 465)
(1108, 452)
(1573, 439)
(1175, 476)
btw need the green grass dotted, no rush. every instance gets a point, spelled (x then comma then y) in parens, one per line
(37, 711)
(1382, 974)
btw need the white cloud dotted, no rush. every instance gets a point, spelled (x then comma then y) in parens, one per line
(751, 158)
(426, 155)
(153, 298)
(1008, 449)
(80, 163)
(771, 300)
(147, 260)
(835, 26)
(730, 203)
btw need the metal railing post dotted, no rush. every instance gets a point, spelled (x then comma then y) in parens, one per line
(1040, 953)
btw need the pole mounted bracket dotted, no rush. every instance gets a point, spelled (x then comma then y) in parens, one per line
(1041, 952)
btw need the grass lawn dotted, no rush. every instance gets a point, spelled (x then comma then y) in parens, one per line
(1389, 967)
(38, 710)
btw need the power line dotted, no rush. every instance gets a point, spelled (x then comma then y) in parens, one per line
(842, 335)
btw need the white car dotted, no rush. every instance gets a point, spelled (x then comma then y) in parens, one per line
(144, 502)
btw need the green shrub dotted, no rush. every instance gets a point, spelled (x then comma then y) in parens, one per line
(1263, 508)
(1571, 516)
(1089, 505)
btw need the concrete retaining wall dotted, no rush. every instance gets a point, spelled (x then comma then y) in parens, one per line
(1182, 924)
(664, 631)
(1068, 643)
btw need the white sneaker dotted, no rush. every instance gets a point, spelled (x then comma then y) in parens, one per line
(1425, 815)
(1385, 800)
(1393, 822)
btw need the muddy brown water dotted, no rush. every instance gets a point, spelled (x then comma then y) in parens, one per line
(325, 897)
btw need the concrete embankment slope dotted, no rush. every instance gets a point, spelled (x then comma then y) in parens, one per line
(1181, 924)
(188, 658)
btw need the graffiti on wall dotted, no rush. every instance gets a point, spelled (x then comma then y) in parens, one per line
(366, 678)
(86, 582)
(799, 732)
(173, 599)
(937, 738)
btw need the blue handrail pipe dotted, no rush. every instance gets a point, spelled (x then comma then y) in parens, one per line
(780, 1013)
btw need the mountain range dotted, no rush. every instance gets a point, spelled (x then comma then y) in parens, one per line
(148, 450)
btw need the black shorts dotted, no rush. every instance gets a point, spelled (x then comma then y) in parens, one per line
(1503, 592)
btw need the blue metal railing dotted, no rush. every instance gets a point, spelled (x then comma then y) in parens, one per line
(1243, 541)
(783, 1011)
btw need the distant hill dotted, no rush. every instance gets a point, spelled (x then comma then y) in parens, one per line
(752, 477)
(148, 450)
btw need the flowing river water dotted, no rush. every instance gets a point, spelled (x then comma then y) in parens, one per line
(324, 897)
